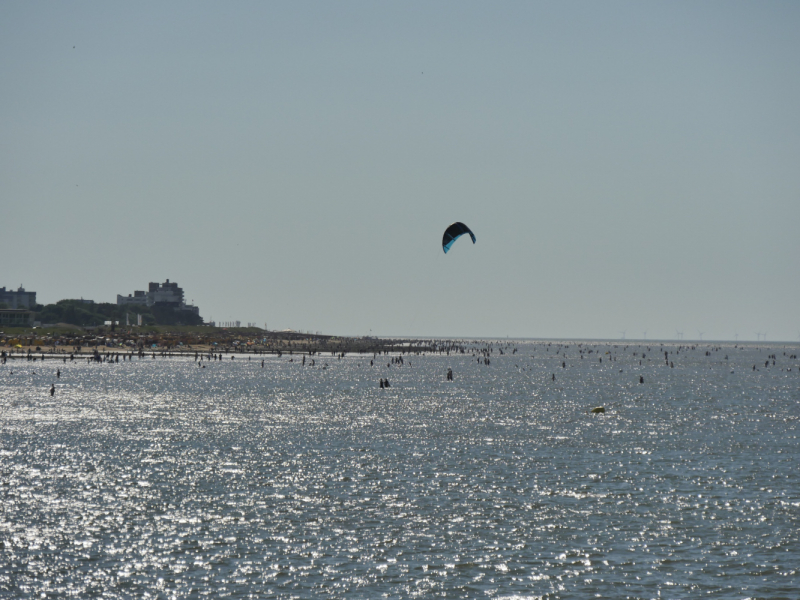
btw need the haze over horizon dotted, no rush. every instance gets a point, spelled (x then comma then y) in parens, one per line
(625, 167)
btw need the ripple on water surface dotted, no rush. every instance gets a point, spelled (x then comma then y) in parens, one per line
(158, 477)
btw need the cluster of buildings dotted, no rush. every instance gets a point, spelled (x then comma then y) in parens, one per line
(18, 308)
(159, 294)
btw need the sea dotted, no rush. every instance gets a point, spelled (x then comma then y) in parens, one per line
(180, 478)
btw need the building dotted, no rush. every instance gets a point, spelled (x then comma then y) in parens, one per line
(16, 317)
(18, 299)
(138, 297)
(167, 294)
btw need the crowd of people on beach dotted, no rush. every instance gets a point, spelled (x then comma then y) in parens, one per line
(398, 353)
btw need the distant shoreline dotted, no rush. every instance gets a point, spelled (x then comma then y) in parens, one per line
(168, 346)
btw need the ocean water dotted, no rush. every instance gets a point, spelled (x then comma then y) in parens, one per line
(160, 479)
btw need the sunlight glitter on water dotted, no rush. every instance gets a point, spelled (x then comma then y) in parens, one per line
(160, 477)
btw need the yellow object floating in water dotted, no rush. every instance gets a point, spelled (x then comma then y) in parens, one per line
(599, 409)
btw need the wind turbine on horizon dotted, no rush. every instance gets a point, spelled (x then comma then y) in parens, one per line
(644, 335)
(623, 335)
(679, 334)
(700, 333)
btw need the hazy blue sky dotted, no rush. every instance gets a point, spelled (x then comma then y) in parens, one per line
(625, 166)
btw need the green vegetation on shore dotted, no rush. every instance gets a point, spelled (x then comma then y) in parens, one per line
(76, 324)
(82, 314)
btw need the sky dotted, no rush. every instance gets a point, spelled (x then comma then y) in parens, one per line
(628, 168)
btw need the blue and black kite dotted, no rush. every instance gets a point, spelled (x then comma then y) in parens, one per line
(452, 233)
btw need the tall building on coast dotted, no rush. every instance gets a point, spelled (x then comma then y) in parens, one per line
(167, 295)
(18, 299)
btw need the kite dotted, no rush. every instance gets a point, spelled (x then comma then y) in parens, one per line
(452, 233)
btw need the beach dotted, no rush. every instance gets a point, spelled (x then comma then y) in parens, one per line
(189, 341)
